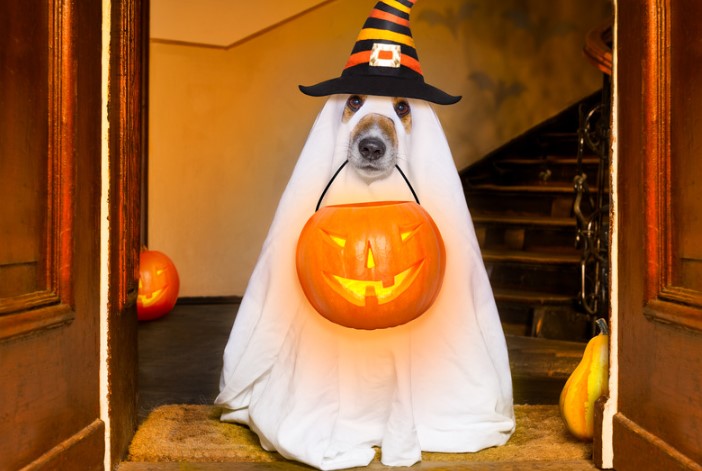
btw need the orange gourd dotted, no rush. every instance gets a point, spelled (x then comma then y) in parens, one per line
(587, 383)
(371, 265)
(158, 285)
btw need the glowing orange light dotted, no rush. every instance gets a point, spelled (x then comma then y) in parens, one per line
(158, 285)
(371, 265)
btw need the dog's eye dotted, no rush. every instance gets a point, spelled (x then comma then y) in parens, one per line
(354, 103)
(402, 108)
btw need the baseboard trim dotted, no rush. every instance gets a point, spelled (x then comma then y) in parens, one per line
(636, 448)
(84, 450)
(190, 300)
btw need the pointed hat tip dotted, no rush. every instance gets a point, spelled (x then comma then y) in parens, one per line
(384, 60)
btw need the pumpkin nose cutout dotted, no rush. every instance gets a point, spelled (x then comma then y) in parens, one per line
(370, 261)
(371, 148)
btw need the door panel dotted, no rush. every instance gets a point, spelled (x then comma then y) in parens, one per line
(659, 423)
(23, 166)
(50, 106)
(32, 171)
(685, 150)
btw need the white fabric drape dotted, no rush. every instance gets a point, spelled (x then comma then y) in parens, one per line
(324, 394)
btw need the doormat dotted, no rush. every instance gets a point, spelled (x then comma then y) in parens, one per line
(194, 433)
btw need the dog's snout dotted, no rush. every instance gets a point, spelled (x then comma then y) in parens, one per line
(371, 148)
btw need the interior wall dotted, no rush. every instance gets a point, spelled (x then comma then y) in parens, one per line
(227, 125)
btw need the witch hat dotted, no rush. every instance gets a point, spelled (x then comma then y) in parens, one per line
(384, 60)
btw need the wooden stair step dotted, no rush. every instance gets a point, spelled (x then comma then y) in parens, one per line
(559, 135)
(549, 160)
(532, 238)
(554, 138)
(535, 170)
(540, 367)
(521, 204)
(537, 272)
(523, 221)
(542, 278)
(540, 314)
(543, 358)
(541, 258)
(546, 188)
(514, 296)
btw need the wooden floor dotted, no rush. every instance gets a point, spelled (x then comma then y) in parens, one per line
(180, 359)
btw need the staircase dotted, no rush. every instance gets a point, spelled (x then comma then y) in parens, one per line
(521, 200)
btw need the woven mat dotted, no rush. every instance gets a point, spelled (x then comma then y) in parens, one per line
(193, 433)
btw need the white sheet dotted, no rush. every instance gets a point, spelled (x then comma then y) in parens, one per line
(324, 394)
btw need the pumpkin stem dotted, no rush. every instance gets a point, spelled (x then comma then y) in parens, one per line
(602, 325)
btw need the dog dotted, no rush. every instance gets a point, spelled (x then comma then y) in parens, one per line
(326, 394)
(374, 147)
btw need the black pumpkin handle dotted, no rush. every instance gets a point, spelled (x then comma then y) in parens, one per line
(326, 188)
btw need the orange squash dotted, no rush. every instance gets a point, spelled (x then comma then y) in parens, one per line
(158, 285)
(587, 383)
(371, 265)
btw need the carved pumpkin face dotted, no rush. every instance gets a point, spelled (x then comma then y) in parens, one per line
(371, 265)
(158, 285)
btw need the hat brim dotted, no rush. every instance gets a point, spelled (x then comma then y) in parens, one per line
(380, 86)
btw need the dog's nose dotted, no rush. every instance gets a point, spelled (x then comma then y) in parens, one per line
(371, 148)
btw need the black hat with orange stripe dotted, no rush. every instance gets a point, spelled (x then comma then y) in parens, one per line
(384, 60)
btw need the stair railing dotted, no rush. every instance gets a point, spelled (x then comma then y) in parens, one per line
(591, 206)
(591, 209)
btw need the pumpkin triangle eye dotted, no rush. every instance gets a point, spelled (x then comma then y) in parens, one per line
(370, 261)
(409, 232)
(337, 240)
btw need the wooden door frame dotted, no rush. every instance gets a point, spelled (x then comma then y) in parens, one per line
(127, 115)
(657, 326)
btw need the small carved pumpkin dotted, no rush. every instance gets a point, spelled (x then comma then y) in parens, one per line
(371, 265)
(158, 285)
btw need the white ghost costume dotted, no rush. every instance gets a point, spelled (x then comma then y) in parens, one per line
(324, 394)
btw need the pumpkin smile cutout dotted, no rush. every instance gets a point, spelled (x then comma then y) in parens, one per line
(371, 265)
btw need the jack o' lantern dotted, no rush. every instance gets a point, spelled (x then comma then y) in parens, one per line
(158, 285)
(371, 265)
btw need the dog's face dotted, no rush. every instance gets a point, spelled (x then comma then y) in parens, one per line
(381, 124)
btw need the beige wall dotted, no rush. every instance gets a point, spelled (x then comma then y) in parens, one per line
(226, 126)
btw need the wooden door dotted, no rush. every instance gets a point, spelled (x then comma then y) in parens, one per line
(659, 421)
(127, 112)
(62, 300)
(50, 125)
